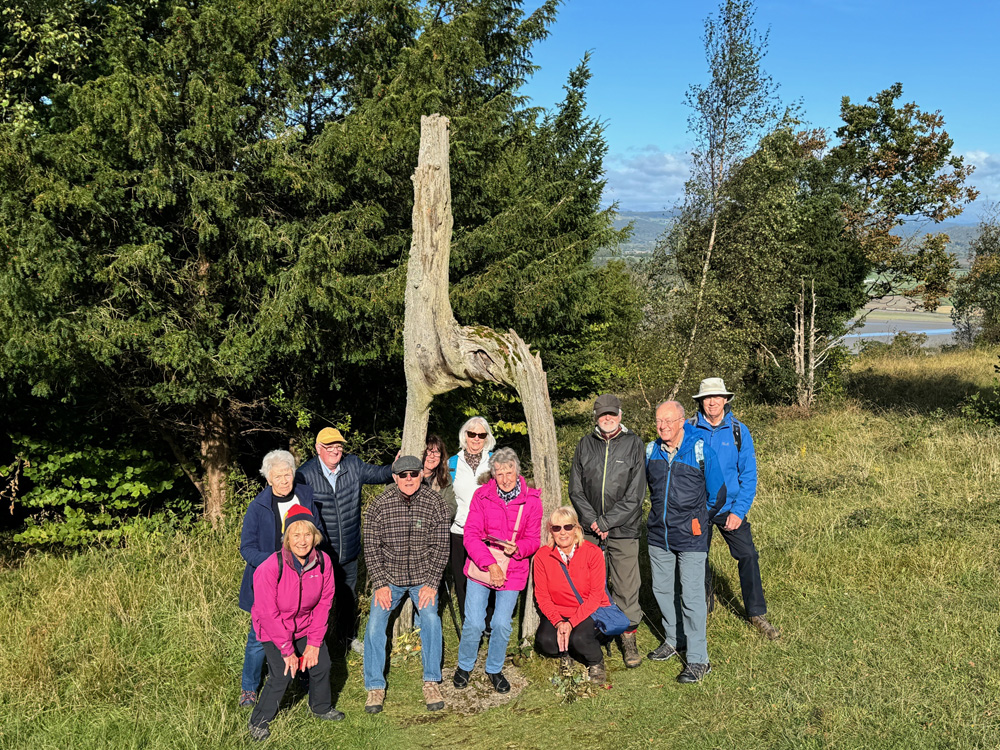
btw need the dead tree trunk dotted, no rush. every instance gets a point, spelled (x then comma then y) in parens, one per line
(441, 355)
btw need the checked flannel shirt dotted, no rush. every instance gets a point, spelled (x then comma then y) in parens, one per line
(406, 540)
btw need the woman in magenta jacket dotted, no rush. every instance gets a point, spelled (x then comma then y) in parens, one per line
(293, 591)
(567, 627)
(504, 502)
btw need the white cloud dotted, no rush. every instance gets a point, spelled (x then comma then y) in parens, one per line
(987, 175)
(646, 179)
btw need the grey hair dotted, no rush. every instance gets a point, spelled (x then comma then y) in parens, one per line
(504, 457)
(490, 440)
(273, 460)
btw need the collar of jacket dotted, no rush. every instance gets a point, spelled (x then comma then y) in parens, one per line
(311, 562)
(727, 421)
(622, 429)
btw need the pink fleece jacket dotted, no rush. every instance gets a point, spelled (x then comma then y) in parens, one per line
(488, 514)
(297, 605)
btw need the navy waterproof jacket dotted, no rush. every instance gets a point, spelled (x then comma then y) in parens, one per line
(258, 534)
(684, 497)
(341, 510)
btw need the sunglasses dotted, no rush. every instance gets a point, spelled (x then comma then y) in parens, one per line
(567, 527)
(480, 435)
(408, 474)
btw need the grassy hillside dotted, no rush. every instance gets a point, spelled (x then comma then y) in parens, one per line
(878, 526)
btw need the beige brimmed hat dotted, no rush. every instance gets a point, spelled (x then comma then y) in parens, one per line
(713, 387)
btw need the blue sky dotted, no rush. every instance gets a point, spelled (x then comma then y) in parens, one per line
(645, 54)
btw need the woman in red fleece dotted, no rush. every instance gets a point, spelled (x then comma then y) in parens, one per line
(293, 591)
(567, 629)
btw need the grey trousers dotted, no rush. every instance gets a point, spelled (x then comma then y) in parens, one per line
(685, 612)
(622, 559)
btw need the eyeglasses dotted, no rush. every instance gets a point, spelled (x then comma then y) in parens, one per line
(433, 452)
(408, 474)
(480, 435)
(332, 447)
(668, 421)
(567, 527)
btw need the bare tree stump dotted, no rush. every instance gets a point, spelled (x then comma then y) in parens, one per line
(440, 355)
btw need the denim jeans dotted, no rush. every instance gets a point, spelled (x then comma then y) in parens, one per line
(375, 637)
(253, 662)
(685, 612)
(476, 598)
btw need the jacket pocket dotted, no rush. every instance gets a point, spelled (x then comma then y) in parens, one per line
(695, 527)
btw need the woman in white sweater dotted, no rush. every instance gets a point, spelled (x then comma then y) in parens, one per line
(476, 443)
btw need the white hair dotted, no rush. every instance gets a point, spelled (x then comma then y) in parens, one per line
(273, 460)
(504, 457)
(490, 440)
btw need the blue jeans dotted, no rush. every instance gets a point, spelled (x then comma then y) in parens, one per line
(253, 662)
(476, 597)
(685, 612)
(375, 637)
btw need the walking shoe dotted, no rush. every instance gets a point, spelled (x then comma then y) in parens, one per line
(694, 673)
(565, 665)
(597, 673)
(331, 715)
(662, 653)
(766, 629)
(375, 700)
(433, 697)
(630, 651)
(248, 698)
(258, 733)
(357, 646)
(500, 683)
(461, 678)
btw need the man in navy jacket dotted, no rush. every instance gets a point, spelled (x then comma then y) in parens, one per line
(686, 490)
(733, 444)
(336, 478)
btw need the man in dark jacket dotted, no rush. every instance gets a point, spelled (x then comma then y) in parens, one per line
(686, 490)
(336, 478)
(606, 485)
(733, 444)
(407, 542)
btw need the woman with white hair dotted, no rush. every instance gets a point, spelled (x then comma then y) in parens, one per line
(260, 538)
(476, 443)
(291, 609)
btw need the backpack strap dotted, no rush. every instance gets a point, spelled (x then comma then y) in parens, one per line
(699, 453)
(281, 566)
(737, 435)
(649, 449)
(452, 467)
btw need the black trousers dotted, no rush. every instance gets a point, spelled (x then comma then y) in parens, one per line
(320, 700)
(742, 548)
(583, 643)
(343, 626)
(457, 561)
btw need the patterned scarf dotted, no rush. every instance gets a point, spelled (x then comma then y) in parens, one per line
(473, 460)
(508, 496)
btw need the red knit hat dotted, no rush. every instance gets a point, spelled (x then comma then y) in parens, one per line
(297, 513)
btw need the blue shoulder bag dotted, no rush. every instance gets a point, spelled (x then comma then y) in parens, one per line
(610, 620)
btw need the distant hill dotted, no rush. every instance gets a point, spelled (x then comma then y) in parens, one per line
(649, 226)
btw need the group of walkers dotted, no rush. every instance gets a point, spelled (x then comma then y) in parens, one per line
(303, 535)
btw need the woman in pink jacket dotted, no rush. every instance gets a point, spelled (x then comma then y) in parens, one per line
(504, 508)
(293, 591)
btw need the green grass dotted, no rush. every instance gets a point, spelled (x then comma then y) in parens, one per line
(878, 527)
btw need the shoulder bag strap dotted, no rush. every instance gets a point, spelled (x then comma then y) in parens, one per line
(570, 581)
(517, 521)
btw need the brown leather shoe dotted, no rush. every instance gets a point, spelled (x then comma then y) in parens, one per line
(630, 651)
(766, 629)
(375, 700)
(433, 697)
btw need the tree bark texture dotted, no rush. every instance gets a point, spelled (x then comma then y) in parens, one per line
(215, 459)
(441, 355)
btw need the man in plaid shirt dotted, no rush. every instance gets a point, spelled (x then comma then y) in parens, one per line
(406, 546)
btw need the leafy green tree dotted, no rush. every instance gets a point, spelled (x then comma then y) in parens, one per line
(894, 164)
(204, 214)
(976, 300)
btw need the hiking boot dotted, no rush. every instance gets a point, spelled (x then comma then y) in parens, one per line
(766, 629)
(694, 673)
(433, 697)
(565, 665)
(258, 733)
(662, 652)
(248, 698)
(461, 679)
(597, 673)
(630, 651)
(331, 715)
(499, 682)
(375, 700)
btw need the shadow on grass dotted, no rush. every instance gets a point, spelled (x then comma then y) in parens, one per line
(921, 393)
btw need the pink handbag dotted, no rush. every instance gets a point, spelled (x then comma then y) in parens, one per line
(477, 574)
